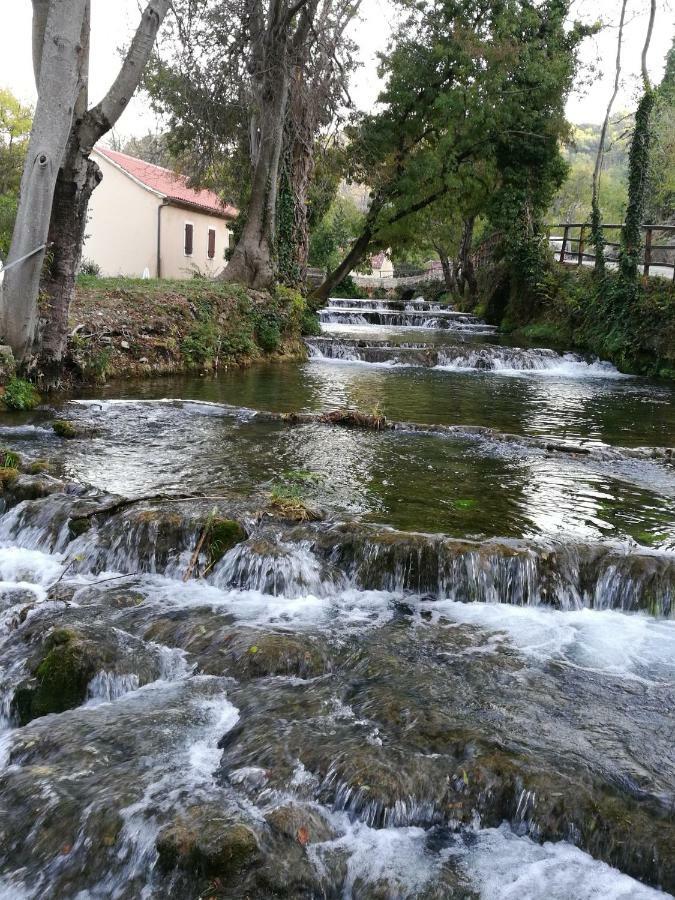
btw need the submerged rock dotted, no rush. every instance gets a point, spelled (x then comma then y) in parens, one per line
(206, 844)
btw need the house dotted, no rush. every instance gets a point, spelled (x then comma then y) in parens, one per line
(382, 265)
(145, 221)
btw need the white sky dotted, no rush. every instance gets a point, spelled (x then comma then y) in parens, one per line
(113, 22)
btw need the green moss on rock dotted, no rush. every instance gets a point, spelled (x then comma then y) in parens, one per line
(59, 681)
(223, 535)
(210, 848)
(39, 466)
(65, 429)
(79, 526)
(8, 476)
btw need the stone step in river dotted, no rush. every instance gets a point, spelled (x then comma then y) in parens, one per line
(391, 314)
(350, 631)
(461, 357)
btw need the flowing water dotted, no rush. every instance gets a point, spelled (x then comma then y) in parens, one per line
(445, 670)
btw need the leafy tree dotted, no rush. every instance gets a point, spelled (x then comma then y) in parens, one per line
(661, 196)
(333, 234)
(15, 124)
(638, 171)
(248, 85)
(473, 91)
(153, 148)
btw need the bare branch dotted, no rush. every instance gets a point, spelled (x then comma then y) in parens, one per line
(102, 117)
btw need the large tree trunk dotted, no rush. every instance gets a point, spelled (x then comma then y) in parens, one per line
(58, 87)
(252, 261)
(446, 265)
(466, 263)
(77, 179)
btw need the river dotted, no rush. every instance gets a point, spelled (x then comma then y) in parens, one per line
(447, 672)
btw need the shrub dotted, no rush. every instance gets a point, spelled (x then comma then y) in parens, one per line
(310, 323)
(20, 394)
(347, 289)
(91, 268)
(268, 334)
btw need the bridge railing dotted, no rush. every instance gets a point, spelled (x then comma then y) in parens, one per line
(571, 243)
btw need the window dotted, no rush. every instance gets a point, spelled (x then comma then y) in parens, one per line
(189, 238)
(212, 243)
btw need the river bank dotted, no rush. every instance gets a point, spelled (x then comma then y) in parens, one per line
(134, 328)
(571, 309)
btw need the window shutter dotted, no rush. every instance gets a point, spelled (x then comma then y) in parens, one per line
(188, 239)
(212, 242)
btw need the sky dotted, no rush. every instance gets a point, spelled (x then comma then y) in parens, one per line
(113, 22)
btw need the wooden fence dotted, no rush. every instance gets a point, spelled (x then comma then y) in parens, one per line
(572, 246)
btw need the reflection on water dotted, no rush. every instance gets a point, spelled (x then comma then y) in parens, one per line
(627, 412)
(410, 481)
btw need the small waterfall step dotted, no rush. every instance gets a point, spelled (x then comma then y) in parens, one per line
(416, 313)
(485, 357)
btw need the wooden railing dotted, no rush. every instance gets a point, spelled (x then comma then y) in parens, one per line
(572, 246)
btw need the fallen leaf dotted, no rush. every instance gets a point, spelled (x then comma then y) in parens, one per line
(303, 835)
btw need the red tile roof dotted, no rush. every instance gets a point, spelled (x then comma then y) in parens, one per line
(169, 184)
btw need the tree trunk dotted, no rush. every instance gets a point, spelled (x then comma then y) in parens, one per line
(356, 254)
(78, 178)
(448, 276)
(597, 236)
(466, 263)
(252, 261)
(638, 173)
(58, 87)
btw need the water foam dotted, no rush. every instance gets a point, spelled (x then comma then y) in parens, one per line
(601, 641)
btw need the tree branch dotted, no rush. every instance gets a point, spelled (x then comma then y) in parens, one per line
(102, 117)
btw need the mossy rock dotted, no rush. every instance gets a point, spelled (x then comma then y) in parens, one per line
(59, 681)
(40, 467)
(223, 535)
(8, 476)
(207, 846)
(302, 824)
(79, 526)
(277, 653)
(65, 429)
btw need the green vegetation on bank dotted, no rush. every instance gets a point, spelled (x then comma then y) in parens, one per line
(124, 326)
(574, 309)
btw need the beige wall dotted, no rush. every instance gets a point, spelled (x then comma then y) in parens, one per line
(175, 264)
(122, 225)
(122, 231)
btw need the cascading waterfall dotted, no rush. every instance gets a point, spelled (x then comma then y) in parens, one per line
(328, 705)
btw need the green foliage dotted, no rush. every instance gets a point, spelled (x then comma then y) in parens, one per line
(347, 289)
(202, 343)
(288, 270)
(331, 237)
(15, 125)
(268, 333)
(638, 169)
(588, 313)
(20, 395)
